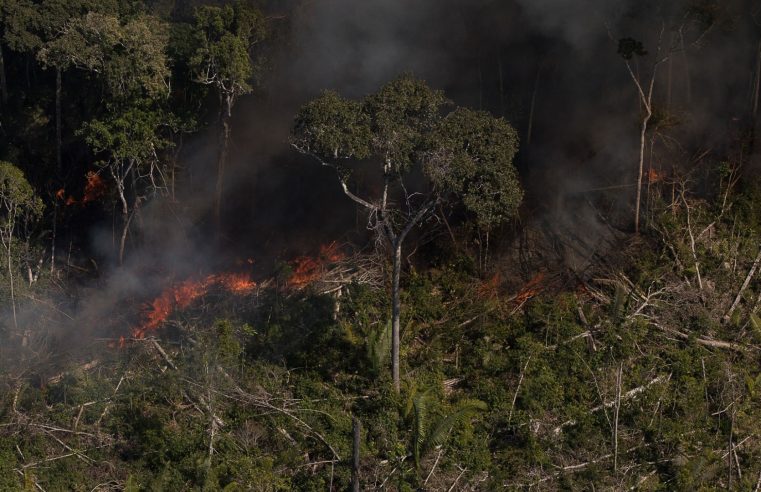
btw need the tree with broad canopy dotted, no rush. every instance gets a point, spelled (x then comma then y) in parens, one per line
(425, 156)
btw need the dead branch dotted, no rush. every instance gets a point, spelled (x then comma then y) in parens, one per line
(745, 284)
(632, 393)
(517, 389)
(707, 342)
(163, 353)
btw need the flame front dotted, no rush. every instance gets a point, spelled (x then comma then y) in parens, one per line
(95, 187)
(307, 270)
(653, 176)
(183, 294)
(531, 289)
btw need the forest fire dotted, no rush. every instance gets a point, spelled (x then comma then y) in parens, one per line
(307, 269)
(183, 294)
(653, 176)
(95, 188)
(531, 289)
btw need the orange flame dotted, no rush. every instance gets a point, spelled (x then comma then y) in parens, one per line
(490, 288)
(95, 187)
(306, 269)
(653, 176)
(183, 294)
(531, 289)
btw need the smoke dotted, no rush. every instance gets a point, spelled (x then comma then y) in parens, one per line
(549, 66)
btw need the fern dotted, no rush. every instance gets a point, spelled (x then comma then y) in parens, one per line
(620, 303)
(426, 435)
(379, 348)
(422, 403)
(465, 410)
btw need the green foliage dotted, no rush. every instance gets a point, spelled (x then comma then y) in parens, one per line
(471, 155)
(223, 38)
(17, 196)
(428, 432)
(402, 113)
(131, 133)
(333, 126)
(379, 348)
(466, 155)
(130, 56)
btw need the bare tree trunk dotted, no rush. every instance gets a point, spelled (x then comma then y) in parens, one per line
(9, 249)
(643, 131)
(687, 81)
(125, 227)
(501, 86)
(756, 97)
(59, 166)
(224, 142)
(10, 279)
(395, 314)
(618, 408)
(52, 240)
(3, 81)
(531, 110)
(120, 177)
(757, 87)
(355, 456)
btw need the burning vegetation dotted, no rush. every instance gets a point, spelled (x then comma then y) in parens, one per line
(183, 294)
(552, 270)
(95, 189)
(309, 269)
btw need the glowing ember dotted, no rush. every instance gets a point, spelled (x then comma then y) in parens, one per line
(654, 176)
(306, 269)
(183, 294)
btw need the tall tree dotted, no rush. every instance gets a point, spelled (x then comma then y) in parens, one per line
(130, 61)
(225, 37)
(18, 203)
(20, 24)
(696, 21)
(466, 156)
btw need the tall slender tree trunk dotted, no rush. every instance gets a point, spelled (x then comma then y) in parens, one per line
(53, 238)
(355, 481)
(530, 128)
(643, 131)
(501, 86)
(120, 178)
(396, 305)
(59, 165)
(755, 101)
(224, 142)
(3, 82)
(9, 246)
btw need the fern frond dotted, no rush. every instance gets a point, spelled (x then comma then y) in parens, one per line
(379, 347)
(465, 409)
(422, 403)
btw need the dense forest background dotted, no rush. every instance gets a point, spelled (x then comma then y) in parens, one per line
(563, 235)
